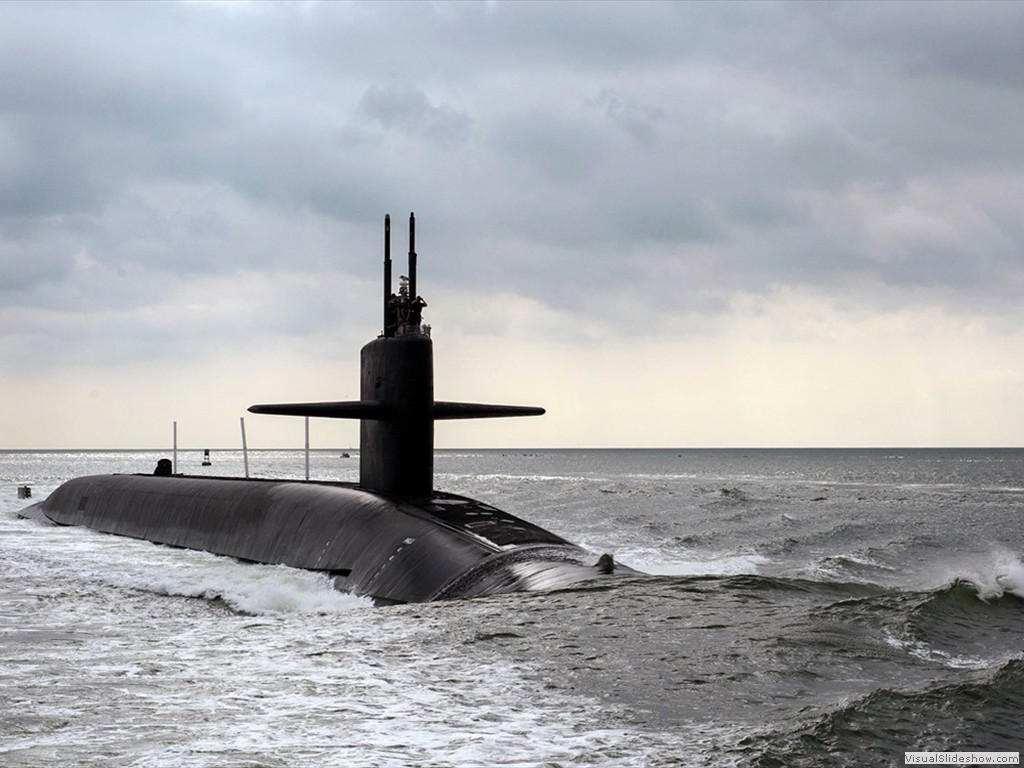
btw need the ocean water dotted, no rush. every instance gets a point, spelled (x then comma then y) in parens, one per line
(802, 608)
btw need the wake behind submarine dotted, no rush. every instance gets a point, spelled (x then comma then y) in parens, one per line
(390, 536)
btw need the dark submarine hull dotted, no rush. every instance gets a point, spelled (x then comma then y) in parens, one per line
(392, 537)
(392, 549)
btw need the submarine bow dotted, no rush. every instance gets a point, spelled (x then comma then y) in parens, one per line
(392, 536)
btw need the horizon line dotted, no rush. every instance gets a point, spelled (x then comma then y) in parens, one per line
(302, 449)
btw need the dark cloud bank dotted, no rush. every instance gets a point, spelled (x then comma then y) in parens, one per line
(654, 158)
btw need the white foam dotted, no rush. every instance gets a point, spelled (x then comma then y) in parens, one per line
(145, 567)
(994, 574)
(1002, 574)
(921, 650)
(248, 588)
(699, 565)
(837, 567)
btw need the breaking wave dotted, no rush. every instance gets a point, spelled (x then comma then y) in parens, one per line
(981, 713)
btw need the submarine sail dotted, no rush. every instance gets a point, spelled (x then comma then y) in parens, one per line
(391, 536)
(397, 409)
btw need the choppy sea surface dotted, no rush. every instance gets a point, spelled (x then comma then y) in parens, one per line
(803, 608)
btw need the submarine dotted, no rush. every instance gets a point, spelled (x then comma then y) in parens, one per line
(391, 537)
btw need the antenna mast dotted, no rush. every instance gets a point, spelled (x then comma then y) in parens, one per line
(387, 268)
(412, 256)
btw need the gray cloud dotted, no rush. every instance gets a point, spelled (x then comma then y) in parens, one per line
(573, 152)
(409, 110)
(976, 41)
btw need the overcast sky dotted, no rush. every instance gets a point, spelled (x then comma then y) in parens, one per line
(695, 224)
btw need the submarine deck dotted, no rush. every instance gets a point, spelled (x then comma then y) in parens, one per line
(393, 549)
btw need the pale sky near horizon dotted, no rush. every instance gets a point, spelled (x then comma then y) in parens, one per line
(670, 224)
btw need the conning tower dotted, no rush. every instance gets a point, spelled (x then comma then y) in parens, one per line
(396, 408)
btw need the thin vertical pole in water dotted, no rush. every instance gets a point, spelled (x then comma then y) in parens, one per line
(307, 447)
(245, 448)
(174, 463)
